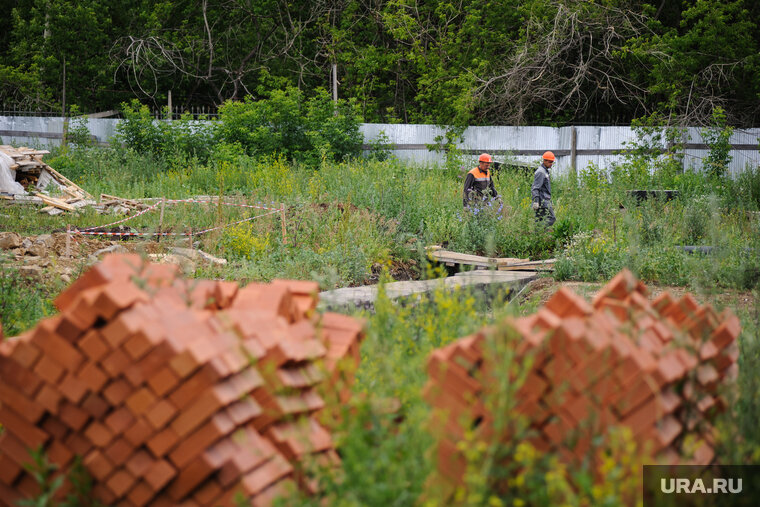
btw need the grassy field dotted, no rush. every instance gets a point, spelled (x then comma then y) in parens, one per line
(354, 222)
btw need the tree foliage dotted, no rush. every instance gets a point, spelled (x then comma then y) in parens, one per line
(453, 62)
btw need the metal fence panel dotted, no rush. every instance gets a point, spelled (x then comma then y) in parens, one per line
(584, 145)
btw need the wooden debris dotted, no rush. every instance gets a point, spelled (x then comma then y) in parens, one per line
(451, 258)
(58, 203)
(544, 265)
(30, 169)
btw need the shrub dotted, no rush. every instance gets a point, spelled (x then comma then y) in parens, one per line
(185, 137)
(286, 123)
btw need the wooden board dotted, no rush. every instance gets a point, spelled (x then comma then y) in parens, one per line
(544, 265)
(56, 202)
(451, 258)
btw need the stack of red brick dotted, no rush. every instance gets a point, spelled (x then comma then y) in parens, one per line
(653, 366)
(175, 391)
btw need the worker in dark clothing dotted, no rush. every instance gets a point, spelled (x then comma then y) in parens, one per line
(478, 183)
(541, 191)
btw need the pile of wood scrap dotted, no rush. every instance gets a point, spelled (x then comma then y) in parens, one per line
(448, 258)
(36, 178)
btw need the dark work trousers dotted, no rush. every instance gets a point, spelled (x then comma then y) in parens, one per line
(545, 215)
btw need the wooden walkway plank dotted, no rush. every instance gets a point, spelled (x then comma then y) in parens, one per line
(364, 297)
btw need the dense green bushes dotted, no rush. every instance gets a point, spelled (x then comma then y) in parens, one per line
(285, 123)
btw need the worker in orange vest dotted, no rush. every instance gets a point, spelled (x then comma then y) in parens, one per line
(478, 183)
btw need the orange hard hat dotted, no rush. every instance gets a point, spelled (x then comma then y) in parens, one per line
(548, 156)
(485, 157)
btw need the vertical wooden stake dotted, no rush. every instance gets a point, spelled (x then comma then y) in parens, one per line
(282, 219)
(190, 235)
(614, 228)
(68, 241)
(161, 219)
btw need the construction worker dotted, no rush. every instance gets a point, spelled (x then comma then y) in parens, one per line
(541, 191)
(478, 182)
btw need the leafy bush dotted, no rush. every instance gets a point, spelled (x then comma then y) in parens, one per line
(718, 139)
(163, 138)
(306, 130)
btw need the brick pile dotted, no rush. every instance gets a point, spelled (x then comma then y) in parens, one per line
(653, 366)
(175, 391)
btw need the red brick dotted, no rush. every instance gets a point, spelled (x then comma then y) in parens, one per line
(619, 287)
(119, 420)
(662, 302)
(244, 411)
(14, 449)
(669, 369)
(24, 353)
(56, 347)
(270, 472)
(96, 406)
(118, 451)
(707, 376)
(280, 489)
(117, 297)
(727, 332)
(28, 487)
(163, 382)
(19, 377)
(139, 463)
(59, 454)
(142, 342)
(98, 434)
(192, 446)
(98, 465)
(116, 332)
(565, 303)
(634, 394)
(199, 469)
(49, 370)
(160, 275)
(156, 359)
(115, 363)
(729, 356)
(54, 427)
(28, 434)
(77, 444)
(117, 391)
(93, 345)
(208, 492)
(92, 376)
(224, 293)
(251, 450)
(193, 387)
(159, 474)
(49, 398)
(163, 442)
(141, 494)
(113, 268)
(120, 482)
(139, 432)
(73, 388)
(160, 414)
(104, 495)
(73, 416)
(140, 401)
(9, 470)
(70, 327)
